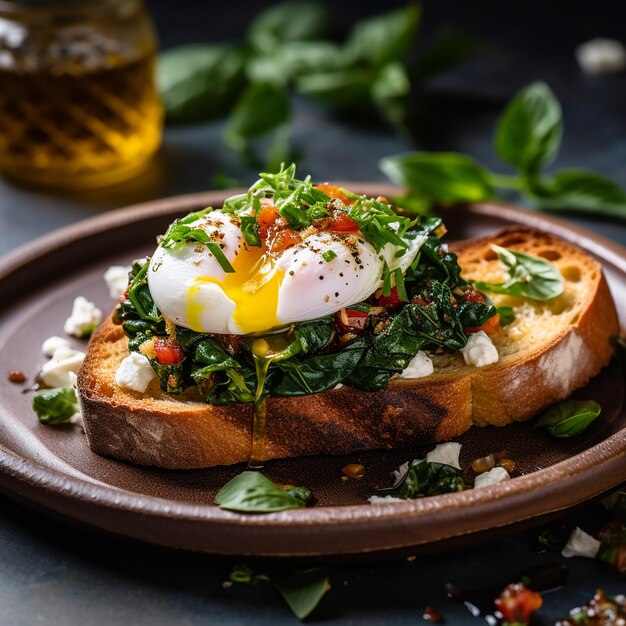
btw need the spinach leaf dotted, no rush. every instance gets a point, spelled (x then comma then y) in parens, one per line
(529, 131)
(288, 22)
(222, 378)
(171, 376)
(302, 590)
(251, 492)
(440, 176)
(302, 376)
(139, 293)
(316, 335)
(569, 418)
(423, 479)
(434, 264)
(475, 314)
(200, 82)
(55, 405)
(579, 190)
(529, 276)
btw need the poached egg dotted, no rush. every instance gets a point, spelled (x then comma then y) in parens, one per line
(325, 272)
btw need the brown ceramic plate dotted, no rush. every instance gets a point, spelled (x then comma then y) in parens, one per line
(53, 468)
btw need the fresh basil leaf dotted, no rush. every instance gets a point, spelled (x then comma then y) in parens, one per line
(580, 190)
(288, 21)
(423, 479)
(292, 60)
(385, 37)
(529, 131)
(440, 176)
(199, 82)
(251, 492)
(389, 90)
(340, 89)
(507, 315)
(303, 590)
(261, 109)
(529, 276)
(448, 47)
(55, 405)
(569, 418)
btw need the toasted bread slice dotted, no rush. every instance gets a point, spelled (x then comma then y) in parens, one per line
(550, 350)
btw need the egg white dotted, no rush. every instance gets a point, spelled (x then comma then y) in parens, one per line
(311, 287)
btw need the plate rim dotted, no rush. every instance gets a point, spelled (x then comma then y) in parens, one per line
(20, 474)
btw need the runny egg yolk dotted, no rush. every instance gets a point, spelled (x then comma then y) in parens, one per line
(253, 287)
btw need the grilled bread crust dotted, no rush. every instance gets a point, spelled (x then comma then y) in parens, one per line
(550, 350)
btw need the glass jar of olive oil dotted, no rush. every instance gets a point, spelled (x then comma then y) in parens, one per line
(78, 101)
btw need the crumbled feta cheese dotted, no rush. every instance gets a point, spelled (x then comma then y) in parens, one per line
(58, 370)
(134, 372)
(400, 473)
(50, 345)
(479, 350)
(338, 386)
(384, 499)
(421, 365)
(446, 453)
(116, 278)
(492, 477)
(601, 56)
(84, 318)
(581, 543)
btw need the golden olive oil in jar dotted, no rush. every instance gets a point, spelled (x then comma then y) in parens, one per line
(78, 101)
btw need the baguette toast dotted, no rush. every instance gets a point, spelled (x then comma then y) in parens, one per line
(551, 349)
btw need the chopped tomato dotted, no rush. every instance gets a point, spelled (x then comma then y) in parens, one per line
(168, 351)
(392, 301)
(492, 325)
(267, 218)
(517, 603)
(333, 191)
(353, 319)
(342, 222)
(613, 549)
(283, 238)
(473, 295)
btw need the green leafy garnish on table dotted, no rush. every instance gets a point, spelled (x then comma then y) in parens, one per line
(286, 50)
(56, 405)
(529, 276)
(527, 137)
(424, 478)
(251, 492)
(302, 590)
(569, 418)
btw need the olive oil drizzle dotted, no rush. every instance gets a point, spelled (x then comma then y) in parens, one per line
(264, 351)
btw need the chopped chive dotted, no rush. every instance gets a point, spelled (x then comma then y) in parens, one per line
(399, 281)
(220, 257)
(329, 255)
(386, 280)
